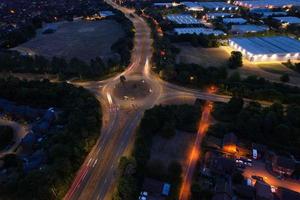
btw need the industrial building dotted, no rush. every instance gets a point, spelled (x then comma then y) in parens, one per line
(198, 31)
(266, 49)
(215, 15)
(183, 19)
(216, 6)
(237, 20)
(267, 3)
(265, 13)
(248, 28)
(288, 20)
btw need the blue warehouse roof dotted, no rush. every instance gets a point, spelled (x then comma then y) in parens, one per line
(268, 45)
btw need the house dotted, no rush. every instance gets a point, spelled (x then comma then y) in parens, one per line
(221, 165)
(263, 191)
(223, 190)
(283, 165)
(286, 194)
(244, 191)
(157, 190)
(261, 150)
(34, 161)
(230, 143)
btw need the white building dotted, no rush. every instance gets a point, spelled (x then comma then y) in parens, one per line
(267, 3)
(266, 49)
(215, 15)
(285, 21)
(248, 28)
(237, 20)
(183, 19)
(216, 6)
(198, 31)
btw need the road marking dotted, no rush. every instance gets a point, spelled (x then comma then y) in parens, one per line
(90, 160)
(95, 162)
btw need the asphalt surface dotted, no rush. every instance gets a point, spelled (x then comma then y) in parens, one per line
(97, 176)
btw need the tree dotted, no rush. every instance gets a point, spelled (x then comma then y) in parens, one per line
(235, 105)
(235, 60)
(122, 79)
(285, 78)
(6, 136)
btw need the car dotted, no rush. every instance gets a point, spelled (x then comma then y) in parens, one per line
(259, 178)
(144, 193)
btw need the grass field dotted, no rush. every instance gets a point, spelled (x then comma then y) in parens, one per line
(173, 149)
(205, 57)
(82, 39)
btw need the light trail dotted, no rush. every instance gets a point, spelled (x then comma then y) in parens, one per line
(195, 152)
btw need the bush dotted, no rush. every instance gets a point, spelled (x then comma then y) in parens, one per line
(6, 136)
(285, 78)
(235, 60)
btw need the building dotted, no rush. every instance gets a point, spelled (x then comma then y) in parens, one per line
(215, 15)
(265, 12)
(223, 190)
(198, 31)
(193, 6)
(155, 189)
(222, 166)
(166, 5)
(267, 3)
(230, 143)
(285, 21)
(183, 19)
(215, 6)
(283, 165)
(106, 13)
(267, 49)
(236, 20)
(286, 194)
(263, 191)
(248, 28)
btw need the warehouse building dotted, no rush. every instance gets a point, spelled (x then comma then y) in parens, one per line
(198, 31)
(215, 15)
(183, 19)
(248, 28)
(267, 3)
(285, 21)
(265, 12)
(216, 6)
(237, 20)
(266, 49)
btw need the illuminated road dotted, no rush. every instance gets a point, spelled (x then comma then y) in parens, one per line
(195, 152)
(97, 176)
(258, 169)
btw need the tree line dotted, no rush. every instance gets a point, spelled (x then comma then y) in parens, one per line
(65, 149)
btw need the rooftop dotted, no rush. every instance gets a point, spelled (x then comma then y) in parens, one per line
(247, 28)
(211, 5)
(289, 20)
(198, 31)
(234, 20)
(267, 45)
(267, 3)
(183, 19)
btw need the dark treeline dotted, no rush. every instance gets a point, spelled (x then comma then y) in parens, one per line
(162, 121)
(15, 62)
(65, 149)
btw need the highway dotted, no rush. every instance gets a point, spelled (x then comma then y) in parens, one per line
(97, 176)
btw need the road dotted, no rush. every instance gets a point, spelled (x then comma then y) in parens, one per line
(258, 169)
(195, 152)
(97, 176)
